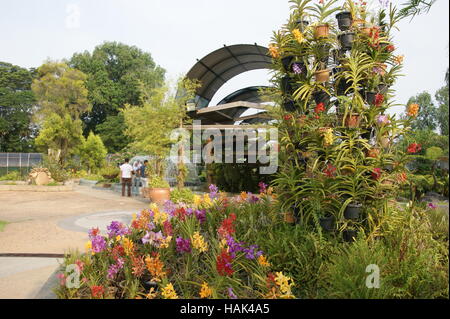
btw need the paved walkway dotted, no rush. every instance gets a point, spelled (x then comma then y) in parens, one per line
(51, 223)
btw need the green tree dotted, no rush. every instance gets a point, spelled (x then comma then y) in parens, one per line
(111, 132)
(16, 107)
(150, 126)
(442, 100)
(60, 90)
(428, 113)
(93, 153)
(61, 135)
(118, 74)
(62, 98)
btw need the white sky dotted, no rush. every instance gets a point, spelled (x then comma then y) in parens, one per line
(176, 32)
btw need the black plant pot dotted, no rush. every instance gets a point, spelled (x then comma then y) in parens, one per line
(327, 223)
(352, 211)
(370, 97)
(286, 85)
(289, 106)
(346, 40)
(301, 24)
(344, 20)
(150, 284)
(366, 135)
(287, 61)
(342, 86)
(321, 97)
(383, 88)
(349, 235)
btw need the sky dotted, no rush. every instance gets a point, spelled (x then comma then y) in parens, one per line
(177, 32)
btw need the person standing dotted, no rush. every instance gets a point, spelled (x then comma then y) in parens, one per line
(143, 174)
(126, 171)
(136, 181)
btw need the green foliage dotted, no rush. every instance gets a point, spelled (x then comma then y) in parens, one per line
(182, 195)
(111, 132)
(16, 103)
(60, 90)
(434, 153)
(442, 99)
(11, 176)
(157, 181)
(237, 177)
(93, 153)
(61, 134)
(150, 126)
(57, 171)
(118, 74)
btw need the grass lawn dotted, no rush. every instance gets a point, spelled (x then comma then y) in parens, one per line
(2, 225)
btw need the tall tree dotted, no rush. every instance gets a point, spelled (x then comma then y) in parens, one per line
(442, 100)
(150, 126)
(62, 98)
(118, 74)
(427, 118)
(16, 107)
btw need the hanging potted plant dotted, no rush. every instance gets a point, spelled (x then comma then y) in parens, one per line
(327, 222)
(301, 24)
(286, 61)
(373, 152)
(321, 97)
(289, 105)
(322, 13)
(353, 211)
(159, 190)
(350, 234)
(344, 20)
(353, 120)
(286, 85)
(346, 39)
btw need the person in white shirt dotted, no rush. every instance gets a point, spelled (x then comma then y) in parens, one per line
(126, 172)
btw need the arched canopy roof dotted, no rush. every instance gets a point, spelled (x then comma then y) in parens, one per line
(249, 94)
(215, 69)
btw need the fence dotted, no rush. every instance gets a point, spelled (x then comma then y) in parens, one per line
(21, 162)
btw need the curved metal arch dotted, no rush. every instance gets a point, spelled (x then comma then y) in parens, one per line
(216, 68)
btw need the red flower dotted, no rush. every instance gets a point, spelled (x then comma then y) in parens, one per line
(287, 117)
(117, 252)
(414, 148)
(180, 213)
(390, 48)
(227, 227)
(376, 173)
(270, 281)
(330, 170)
(379, 99)
(168, 230)
(97, 291)
(223, 263)
(319, 108)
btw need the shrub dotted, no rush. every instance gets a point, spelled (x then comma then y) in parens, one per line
(11, 176)
(156, 181)
(182, 195)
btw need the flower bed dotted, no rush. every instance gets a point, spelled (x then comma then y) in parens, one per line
(180, 251)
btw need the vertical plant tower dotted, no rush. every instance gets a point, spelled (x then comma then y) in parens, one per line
(335, 64)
